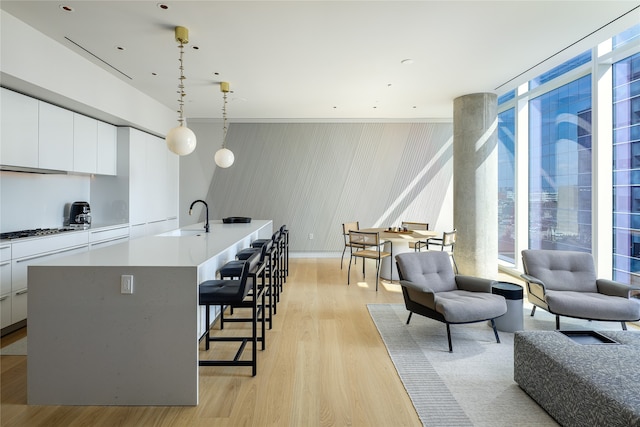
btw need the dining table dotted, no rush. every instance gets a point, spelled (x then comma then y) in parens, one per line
(397, 241)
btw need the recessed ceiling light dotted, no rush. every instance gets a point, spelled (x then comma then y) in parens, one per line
(121, 48)
(195, 47)
(163, 6)
(66, 8)
(407, 61)
(154, 74)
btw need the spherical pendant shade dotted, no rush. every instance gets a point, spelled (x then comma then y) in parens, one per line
(224, 158)
(181, 140)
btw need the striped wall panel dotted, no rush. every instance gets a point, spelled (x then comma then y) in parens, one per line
(315, 176)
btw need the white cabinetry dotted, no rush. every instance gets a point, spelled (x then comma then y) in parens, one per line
(108, 236)
(36, 134)
(18, 129)
(55, 127)
(153, 183)
(31, 251)
(107, 149)
(85, 144)
(5, 285)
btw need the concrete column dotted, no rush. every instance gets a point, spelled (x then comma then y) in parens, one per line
(475, 183)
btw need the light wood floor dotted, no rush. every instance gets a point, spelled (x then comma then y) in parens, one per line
(324, 365)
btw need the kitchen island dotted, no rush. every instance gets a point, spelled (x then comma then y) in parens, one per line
(91, 342)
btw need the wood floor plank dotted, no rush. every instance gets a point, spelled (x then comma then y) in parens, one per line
(324, 365)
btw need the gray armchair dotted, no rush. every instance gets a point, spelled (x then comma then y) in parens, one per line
(431, 289)
(564, 283)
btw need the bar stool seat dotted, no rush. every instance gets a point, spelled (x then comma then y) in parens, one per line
(235, 292)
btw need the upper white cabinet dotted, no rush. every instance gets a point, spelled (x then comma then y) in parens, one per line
(36, 134)
(56, 137)
(19, 129)
(107, 149)
(85, 144)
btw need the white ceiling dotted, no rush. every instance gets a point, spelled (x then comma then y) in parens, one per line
(328, 59)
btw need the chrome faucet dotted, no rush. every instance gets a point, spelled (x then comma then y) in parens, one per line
(206, 224)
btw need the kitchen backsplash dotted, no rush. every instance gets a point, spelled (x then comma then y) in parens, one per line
(38, 201)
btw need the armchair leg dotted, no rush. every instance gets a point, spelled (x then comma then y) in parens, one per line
(624, 325)
(409, 318)
(495, 331)
(557, 322)
(449, 338)
(342, 258)
(533, 311)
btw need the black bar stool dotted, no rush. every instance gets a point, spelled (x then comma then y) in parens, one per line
(233, 269)
(234, 292)
(275, 237)
(271, 268)
(284, 233)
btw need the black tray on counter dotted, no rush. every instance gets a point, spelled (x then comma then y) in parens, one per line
(236, 220)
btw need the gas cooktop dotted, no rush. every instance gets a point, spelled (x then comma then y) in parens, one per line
(33, 233)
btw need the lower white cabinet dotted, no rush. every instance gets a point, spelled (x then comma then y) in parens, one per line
(5, 285)
(37, 250)
(108, 236)
(5, 310)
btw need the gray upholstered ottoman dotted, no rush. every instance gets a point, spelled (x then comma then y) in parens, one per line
(581, 384)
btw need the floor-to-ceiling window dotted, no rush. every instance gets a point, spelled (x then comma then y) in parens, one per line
(554, 146)
(560, 168)
(626, 170)
(506, 182)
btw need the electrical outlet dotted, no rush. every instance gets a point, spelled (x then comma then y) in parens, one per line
(126, 284)
(310, 236)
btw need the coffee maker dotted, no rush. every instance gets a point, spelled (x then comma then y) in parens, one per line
(80, 215)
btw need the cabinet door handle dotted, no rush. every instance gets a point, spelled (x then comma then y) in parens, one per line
(52, 253)
(110, 240)
(22, 292)
(5, 263)
(4, 298)
(106, 231)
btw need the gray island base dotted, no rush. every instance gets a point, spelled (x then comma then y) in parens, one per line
(93, 343)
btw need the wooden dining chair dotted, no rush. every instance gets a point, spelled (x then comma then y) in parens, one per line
(448, 241)
(366, 245)
(409, 225)
(346, 228)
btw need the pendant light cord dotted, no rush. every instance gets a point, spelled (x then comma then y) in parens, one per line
(181, 86)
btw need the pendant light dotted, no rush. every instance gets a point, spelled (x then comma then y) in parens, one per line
(181, 140)
(224, 157)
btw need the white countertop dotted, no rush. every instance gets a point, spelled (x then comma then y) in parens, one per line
(166, 250)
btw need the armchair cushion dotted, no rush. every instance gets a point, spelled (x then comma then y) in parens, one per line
(465, 307)
(592, 305)
(562, 270)
(434, 270)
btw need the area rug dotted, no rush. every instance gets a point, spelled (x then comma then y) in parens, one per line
(18, 348)
(473, 386)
